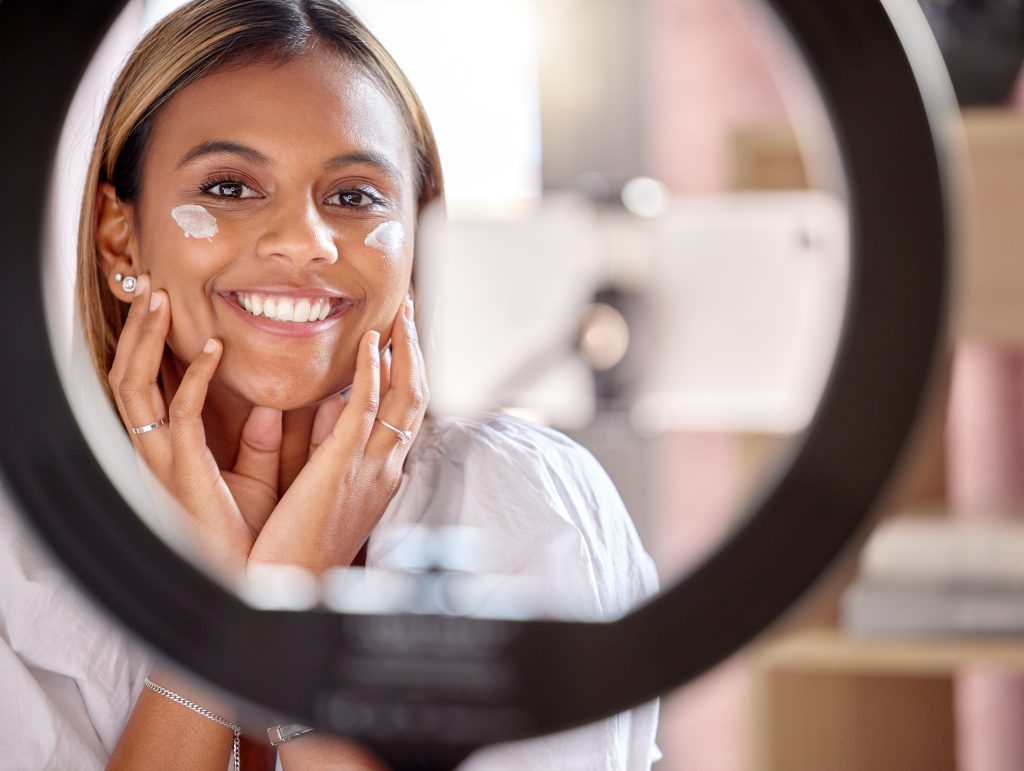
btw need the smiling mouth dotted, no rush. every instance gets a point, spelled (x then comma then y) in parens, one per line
(287, 308)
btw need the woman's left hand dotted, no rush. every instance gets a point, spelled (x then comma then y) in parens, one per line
(355, 462)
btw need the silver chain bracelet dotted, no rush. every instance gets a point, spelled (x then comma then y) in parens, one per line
(235, 729)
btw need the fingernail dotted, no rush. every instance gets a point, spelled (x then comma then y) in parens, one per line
(374, 340)
(211, 346)
(155, 299)
(409, 310)
(141, 285)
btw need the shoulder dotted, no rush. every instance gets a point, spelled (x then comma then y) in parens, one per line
(541, 501)
(494, 438)
(65, 670)
(503, 455)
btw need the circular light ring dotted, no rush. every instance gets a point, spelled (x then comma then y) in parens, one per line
(374, 677)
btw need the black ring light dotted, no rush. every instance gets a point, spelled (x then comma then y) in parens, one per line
(376, 678)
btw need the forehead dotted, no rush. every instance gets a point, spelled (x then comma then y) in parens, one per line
(313, 106)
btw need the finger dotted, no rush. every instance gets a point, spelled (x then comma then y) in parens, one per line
(353, 428)
(128, 338)
(197, 481)
(321, 517)
(259, 448)
(141, 365)
(192, 470)
(134, 374)
(140, 346)
(327, 415)
(404, 404)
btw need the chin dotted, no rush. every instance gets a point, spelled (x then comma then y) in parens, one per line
(287, 393)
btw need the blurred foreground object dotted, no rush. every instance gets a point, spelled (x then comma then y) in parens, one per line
(982, 42)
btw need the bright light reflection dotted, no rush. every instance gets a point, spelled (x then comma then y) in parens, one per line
(645, 197)
(605, 336)
(474, 64)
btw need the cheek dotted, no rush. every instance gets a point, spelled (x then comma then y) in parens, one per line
(185, 274)
(387, 238)
(195, 221)
(391, 283)
(188, 247)
(387, 250)
(183, 266)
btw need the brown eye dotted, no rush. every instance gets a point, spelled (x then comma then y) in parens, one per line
(230, 190)
(357, 199)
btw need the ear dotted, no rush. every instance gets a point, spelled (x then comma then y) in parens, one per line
(115, 240)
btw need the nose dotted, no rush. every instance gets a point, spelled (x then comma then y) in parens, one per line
(298, 232)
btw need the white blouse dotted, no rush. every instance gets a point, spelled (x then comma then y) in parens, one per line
(69, 677)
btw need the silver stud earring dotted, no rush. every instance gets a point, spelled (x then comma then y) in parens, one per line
(128, 283)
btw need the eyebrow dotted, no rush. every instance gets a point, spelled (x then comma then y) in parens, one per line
(219, 146)
(369, 157)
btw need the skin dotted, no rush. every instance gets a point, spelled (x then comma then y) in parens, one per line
(273, 466)
(292, 231)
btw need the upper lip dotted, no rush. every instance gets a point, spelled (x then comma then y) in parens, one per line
(312, 292)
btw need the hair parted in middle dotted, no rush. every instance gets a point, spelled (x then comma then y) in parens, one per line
(197, 40)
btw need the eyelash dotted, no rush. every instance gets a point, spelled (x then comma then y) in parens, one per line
(207, 186)
(375, 200)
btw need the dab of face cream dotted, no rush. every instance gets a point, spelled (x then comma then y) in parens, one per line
(195, 221)
(387, 236)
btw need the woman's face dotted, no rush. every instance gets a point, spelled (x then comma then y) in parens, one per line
(304, 171)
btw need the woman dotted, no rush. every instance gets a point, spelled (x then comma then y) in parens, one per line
(245, 258)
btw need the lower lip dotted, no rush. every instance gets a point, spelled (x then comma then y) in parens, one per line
(287, 328)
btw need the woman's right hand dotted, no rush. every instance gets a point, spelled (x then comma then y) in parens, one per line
(229, 507)
(353, 469)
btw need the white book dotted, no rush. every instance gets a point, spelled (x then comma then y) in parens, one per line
(875, 610)
(945, 552)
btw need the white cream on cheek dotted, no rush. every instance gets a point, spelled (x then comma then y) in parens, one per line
(195, 221)
(388, 237)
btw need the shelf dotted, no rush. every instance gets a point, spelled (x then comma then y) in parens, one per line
(832, 651)
(824, 701)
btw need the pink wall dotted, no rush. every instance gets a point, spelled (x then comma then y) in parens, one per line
(706, 80)
(986, 458)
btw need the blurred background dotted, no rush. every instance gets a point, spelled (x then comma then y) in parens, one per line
(645, 207)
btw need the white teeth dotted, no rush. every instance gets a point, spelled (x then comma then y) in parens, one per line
(285, 309)
(299, 310)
